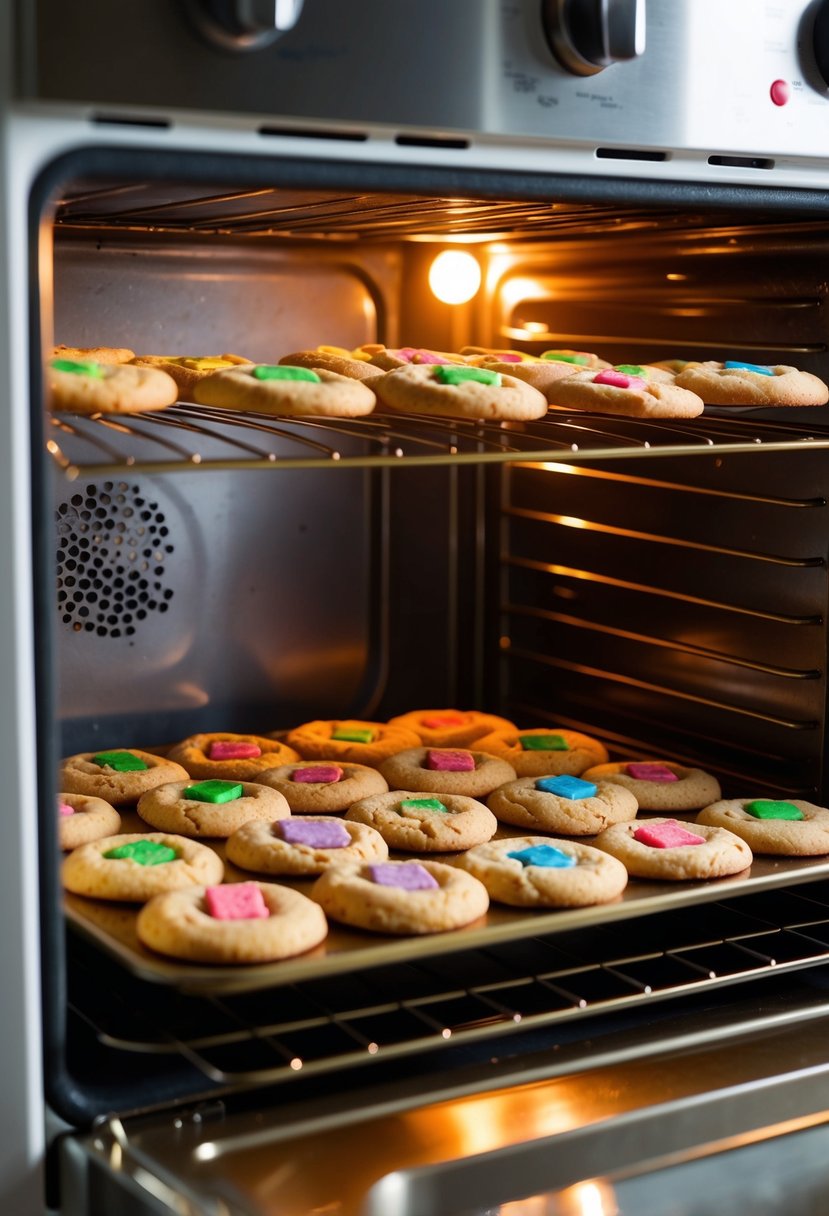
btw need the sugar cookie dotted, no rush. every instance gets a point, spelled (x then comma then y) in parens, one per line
(135, 866)
(401, 897)
(292, 392)
(565, 805)
(420, 822)
(98, 354)
(182, 924)
(790, 828)
(351, 740)
(188, 370)
(388, 359)
(210, 808)
(543, 750)
(612, 392)
(460, 392)
(82, 819)
(304, 844)
(119, 776)
(578, 359)
(666, 849)
(443, 770)
(84, 386)
(343, 364)
(231, 756)
(737, 383)
(318, 787)
(450, 727)
(542, 374)
(659, 785)
(542, 872)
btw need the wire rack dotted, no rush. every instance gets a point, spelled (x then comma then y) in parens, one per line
(274, 1035)
(189, 437)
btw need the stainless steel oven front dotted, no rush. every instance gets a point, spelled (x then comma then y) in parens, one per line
(217, 176)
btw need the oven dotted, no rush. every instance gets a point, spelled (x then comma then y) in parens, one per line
(202, 177)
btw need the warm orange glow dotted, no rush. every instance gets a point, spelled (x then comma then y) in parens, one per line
(455, 276)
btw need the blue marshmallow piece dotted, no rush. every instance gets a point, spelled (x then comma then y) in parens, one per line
(545, 855)
(567, 787)
(749, 367)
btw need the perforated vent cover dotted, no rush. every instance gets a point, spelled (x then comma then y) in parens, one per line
(112, 546)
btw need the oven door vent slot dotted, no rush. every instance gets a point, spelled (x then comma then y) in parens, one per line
(630, 154)
(314, 133)
(742, 162)
(130, 120)
(429, 141)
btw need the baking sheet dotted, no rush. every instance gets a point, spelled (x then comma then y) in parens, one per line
(112, 925)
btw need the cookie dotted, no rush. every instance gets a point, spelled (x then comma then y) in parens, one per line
(473, 353)
(659, 785)
(135, 866)
(188, 370)
(420, 822)
(84, 386)
(350, 740)
(401, 897)
(450, 727)
(98, 354)
(119, 776)
(738, 383)
(473, 774)
(578, 359)
(343, 363)
(313, 787)
(565, 805)
(293, 392)
(612, 392)
(303, 845)
(646, 371)
(210, 808)
(540, 872)
(543, 750)
(542, 374)
(82, 819)
(666, 849)
(791, 828)
(250, 922)
(460, 392)
(230, 756)
(388, 359)
(675, 366)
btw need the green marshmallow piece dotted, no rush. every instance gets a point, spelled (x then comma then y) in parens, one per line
(630, 369)
(213, 791)
(144, 852)
(353, 736)
(265, 371)
(555, 357)
(424, 804)
(79, 367)
(766, 808)
(543, 743)
(122, 762)
(449, 373)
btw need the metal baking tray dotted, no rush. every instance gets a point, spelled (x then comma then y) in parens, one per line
(113, 925)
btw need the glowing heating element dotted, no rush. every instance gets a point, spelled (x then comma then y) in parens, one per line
(454, 276)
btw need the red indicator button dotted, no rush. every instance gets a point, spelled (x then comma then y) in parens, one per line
(780, 92)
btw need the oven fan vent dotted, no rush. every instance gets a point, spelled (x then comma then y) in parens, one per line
(112, 545)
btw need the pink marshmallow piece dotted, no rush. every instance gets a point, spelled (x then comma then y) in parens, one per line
(322, 774)
(445, 760)
(667, 835)
(618, 379)
(236, 901)
(66, 809)
(650, 772)
(229, 749)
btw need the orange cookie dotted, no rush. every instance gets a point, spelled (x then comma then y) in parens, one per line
(450, 727)
(358, 742)
(188, 370)
(534, 753)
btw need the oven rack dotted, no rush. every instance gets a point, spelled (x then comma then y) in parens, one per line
(543, 983)
(190, 437)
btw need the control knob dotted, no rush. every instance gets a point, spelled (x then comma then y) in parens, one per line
(820, 40)
(587, 36)
(244, 25)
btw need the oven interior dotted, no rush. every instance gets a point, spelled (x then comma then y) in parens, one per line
(661, 585)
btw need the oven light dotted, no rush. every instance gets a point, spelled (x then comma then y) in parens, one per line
(454, 276)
